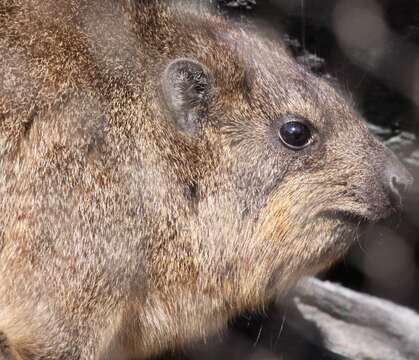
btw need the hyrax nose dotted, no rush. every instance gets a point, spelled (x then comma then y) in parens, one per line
(397, 180)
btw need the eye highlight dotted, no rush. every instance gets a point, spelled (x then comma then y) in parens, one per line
(295, 133)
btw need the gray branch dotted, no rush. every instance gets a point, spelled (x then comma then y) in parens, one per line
(355, 325)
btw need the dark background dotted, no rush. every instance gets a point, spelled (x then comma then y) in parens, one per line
(372, 49)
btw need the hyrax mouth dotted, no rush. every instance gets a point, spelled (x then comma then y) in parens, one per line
(357, 218)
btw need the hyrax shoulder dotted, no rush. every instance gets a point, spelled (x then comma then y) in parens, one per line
(161, 171)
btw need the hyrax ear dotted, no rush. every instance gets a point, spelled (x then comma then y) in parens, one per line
(187, 88)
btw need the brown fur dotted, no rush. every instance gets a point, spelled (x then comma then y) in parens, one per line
(122, 236)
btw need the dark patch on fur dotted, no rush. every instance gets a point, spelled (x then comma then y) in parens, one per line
(5, 351)
(191, 191)
(27, 124)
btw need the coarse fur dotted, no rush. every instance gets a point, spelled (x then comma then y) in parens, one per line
(139, 213)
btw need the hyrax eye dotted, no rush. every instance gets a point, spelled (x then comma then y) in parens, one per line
(295, 133)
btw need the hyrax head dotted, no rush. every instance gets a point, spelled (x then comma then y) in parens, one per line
(289, 170)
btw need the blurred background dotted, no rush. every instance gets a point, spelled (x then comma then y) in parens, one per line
(370, 47)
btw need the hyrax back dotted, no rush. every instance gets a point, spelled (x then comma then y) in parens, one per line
(160, 171)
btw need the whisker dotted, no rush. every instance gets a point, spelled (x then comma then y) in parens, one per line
(258, 337)
(281, 329)
(303, 25)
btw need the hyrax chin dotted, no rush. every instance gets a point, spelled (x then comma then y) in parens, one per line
(161, 171)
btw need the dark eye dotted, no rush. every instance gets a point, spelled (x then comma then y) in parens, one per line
(295, 134)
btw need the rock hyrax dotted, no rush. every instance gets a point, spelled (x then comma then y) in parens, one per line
(162, 170)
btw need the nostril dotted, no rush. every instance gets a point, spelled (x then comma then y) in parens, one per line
(397, 179)
(403, 182)
(397, 185)
(395, 190)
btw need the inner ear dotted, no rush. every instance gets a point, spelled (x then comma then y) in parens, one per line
(187, 87)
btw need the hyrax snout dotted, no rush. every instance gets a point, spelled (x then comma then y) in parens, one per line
(162, 170)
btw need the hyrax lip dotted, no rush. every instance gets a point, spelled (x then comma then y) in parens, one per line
(348, 216)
